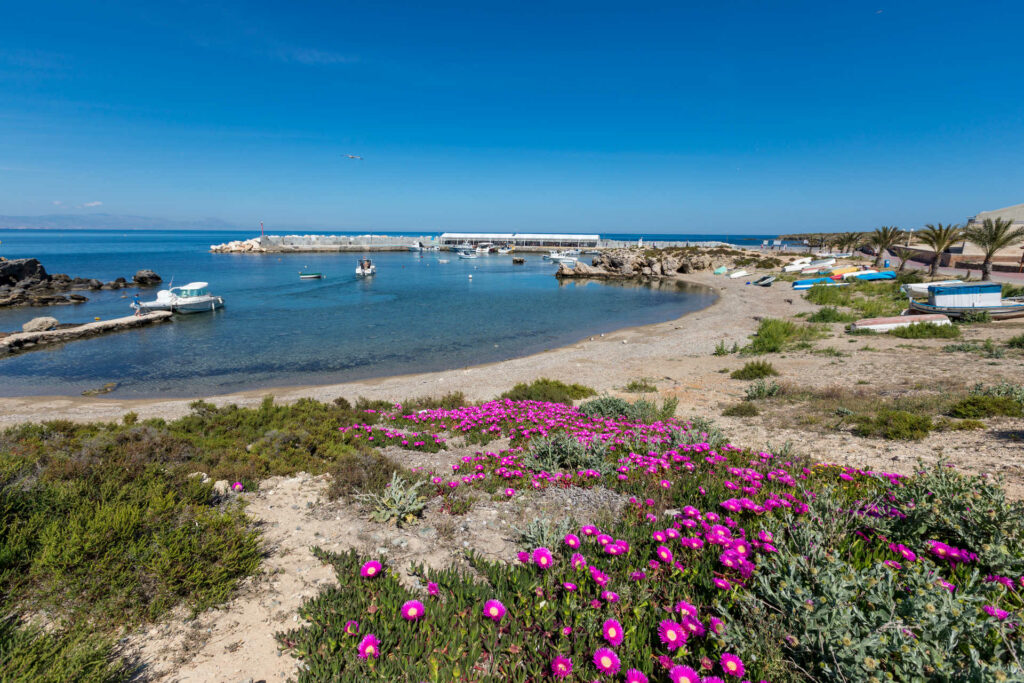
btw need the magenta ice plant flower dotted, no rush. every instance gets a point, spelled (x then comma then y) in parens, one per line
(369, 646)
(542, 557)
(493, 609)
(732, 665)
(561, 666)
(612, 632)
(683, 674)
(635, 676)
(351, 628)
(672, 633)
(606, 661)
(370, 569)
(413, 610)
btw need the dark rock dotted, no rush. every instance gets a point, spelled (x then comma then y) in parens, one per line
(78, 298)
(21, 270)
(147, 278)
(95, 284)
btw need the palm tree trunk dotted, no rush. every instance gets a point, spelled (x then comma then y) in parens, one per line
(986, 269)
(935, 266)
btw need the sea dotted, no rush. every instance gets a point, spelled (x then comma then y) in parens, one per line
(418, 314)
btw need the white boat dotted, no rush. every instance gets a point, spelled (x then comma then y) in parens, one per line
(468, 254)
(764, 281)
(505, 250)
(738, 274)
(921, 288)
(571, 252)
(566, 261)
(365, 268)
(415, 247)
(891, 323)
(190, 298)
(799, 264)
(484, 247)
(815, 266)
(856, 273)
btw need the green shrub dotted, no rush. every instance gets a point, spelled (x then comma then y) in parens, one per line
(722, 350)
(608, 407)
(641, 385)
(986, 406)
(1016, 342)
(548, 391)
(1004, 389)
(894, 424)
(831, 314)
(773, 335)
(400, 503)
(760, 389)
(562, 452)
(944, 424)
(829, 296)
(453, 399)
(359, 472)
(641, 411)
(969, 317)
(926, 331)
(1010, 291)
(544, 532)
(756, 369)
(743, 409)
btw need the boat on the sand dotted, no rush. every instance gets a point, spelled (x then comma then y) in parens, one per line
(969, 298)
(921, 288)
(736, 274)
(190, 298)
(893, 322)
(764, 281)
(810, 282)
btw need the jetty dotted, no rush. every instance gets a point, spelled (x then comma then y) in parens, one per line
(527, 242)
(26, 341)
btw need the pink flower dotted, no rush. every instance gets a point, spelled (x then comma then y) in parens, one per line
(671, 633)
(432, 589)
(634, 676)
(664, 554)
(683, 674)
(413, 610)
(561, 666)
(994, 611)
(606, 661)
(493, 609)
(571, 587)
(612, 632)
(369, 646)
(732, 664)
(370, 569)
(542, 558)
(572, 540)
(237, 487)
(722, 584)
(351, 628)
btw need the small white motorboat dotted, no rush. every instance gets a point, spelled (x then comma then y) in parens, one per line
(442, 260)
(190, 298)
(891, 323)
(566, 261)
(365, 268)
(797, 265)
(468, 254)
(738, 274)
(505, 250)
(765, 281)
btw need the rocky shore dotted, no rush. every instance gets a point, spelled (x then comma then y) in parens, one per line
(652, 264)
(25, 282)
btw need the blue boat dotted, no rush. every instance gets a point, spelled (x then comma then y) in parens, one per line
(884, 275)
(827, 281)
(968, 298)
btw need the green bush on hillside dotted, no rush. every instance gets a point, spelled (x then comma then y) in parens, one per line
(548, 391)
(756, 369)
(926, 331)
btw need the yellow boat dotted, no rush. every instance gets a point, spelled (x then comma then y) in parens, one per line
(844, 270)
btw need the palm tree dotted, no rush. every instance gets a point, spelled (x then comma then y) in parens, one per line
(852, 241)
(882, 239)
(939, 238)
(904, 254)
(992, 235)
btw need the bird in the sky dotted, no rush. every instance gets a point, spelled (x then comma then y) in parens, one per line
(352, 156)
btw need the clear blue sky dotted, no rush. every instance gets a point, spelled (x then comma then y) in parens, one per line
(706, 116)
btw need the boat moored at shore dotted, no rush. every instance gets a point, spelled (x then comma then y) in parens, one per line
(190, 298)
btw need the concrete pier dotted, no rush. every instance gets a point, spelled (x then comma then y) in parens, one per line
(25, 341)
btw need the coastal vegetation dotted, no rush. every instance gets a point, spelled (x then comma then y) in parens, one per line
(774, 335)
(992, 235)
(641, 385)
(939, 238)
(112, 525)
(548, 390)
(755, 369)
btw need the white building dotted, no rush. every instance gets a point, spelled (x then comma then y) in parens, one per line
(520, 239)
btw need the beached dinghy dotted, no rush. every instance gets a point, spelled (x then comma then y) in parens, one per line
(799, 264)
(764, 281)
(921, 288)
(969, 298)
(883, 275)
(738, 274)
(720, 270)
(827, 281)
(891, 323)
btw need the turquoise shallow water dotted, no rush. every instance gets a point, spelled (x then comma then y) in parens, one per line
(416, 315)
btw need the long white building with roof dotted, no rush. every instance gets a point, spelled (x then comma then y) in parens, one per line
(520, 239)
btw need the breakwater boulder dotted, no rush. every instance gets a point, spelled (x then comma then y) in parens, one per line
(253, 246)
(639, 264)
(40, 324)
(26, 341)
(145, 278)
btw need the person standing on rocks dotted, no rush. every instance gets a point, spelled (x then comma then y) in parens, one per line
(137, 304)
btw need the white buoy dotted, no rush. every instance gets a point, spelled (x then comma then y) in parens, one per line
(471, 276)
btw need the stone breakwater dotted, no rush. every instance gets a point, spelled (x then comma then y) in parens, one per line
(25, 341)
(636, 264)
(25, 282)
(277, 244)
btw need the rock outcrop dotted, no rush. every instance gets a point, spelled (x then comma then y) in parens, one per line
(146, 278)
(40, 324)
(633, 264)
(253, 246)
(25, 282)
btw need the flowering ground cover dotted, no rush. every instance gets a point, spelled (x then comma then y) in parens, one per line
(728, 564)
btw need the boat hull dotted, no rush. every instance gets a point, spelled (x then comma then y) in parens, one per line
(994, 312)
(892, 323)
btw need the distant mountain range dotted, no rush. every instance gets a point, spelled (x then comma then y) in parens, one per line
(108, 221)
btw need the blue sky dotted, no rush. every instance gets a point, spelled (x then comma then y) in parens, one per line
(726, 116)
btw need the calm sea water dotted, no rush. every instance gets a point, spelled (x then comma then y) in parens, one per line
(417, 314)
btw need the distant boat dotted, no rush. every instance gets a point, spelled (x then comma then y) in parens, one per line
(468, 254)
(738, 274)
(415, 247)
(310, 276)
(365, 268)
(565, 261)
(190, 298)
(442, 260)
(827, 281)
(796, 265)
(765, 281)
(882, 275)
